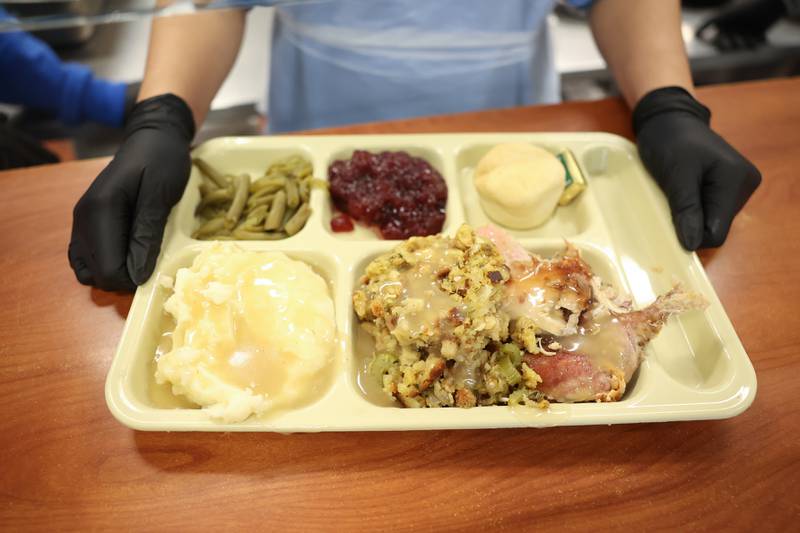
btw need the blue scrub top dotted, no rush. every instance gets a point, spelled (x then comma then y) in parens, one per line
(350, 61)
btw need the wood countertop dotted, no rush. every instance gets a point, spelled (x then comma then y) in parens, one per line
(66, 463)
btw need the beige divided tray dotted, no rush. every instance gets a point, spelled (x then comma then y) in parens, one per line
(695, 369)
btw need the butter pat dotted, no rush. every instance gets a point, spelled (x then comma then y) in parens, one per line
(254, 333)
(519, 184)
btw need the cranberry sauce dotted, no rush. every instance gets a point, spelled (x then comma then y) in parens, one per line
(400, 194)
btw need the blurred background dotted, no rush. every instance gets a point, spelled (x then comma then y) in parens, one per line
(726, 40)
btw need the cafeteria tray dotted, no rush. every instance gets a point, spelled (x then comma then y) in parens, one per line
(695, 369)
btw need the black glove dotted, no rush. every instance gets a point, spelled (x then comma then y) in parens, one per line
(705, 179)
(118, 223)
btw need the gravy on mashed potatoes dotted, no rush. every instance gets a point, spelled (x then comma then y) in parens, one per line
(254, 332)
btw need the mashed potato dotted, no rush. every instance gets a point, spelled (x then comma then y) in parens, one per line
(254, 332)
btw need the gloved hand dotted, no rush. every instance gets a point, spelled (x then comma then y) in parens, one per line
(118, 223)
(705, 179)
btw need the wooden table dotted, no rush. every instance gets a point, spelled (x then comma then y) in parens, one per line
(66, 463)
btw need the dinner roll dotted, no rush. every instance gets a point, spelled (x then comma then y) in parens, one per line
(522, 191)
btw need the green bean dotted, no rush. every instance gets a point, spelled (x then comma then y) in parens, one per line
(288, 161)
(211, 211)
(223, 235)
(211, 172)
(268, 190)
(271, 183)
(258, 201)
(254, 222)
(216, 197)
(241, 188)
(209, 228)
(275, 215)
(300, 171)
(270, 207)
(265, 190)
(279, 167)
(305, 191)
(207, 187)
(288, 214)
(261, 202)
(272, 188)
(298, 220)
(246, 235)
(207, 183)
(292, 194)
(258, 211)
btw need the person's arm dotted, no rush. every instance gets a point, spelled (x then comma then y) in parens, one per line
(35, 77)
(705, 180)
(191, 55)
(118, 224)
(641, 42)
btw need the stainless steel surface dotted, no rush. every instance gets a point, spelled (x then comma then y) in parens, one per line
(77, 10)
(584, 75)
(116, 11)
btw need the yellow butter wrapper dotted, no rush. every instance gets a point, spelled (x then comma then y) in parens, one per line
(574, 182)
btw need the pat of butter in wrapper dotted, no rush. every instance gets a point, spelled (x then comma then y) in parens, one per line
(254, 332)
(519, 184)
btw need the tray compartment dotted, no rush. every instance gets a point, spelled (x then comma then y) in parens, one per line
(694, 353)
(234, 156)
(362, 344)
(567, 221)
(141, 393)
(438, 159)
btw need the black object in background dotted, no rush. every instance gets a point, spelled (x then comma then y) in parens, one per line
(742, 25)
(704, 3)
(18, 149)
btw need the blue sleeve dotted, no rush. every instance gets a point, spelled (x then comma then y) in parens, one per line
(34, 76)
(581, 4)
